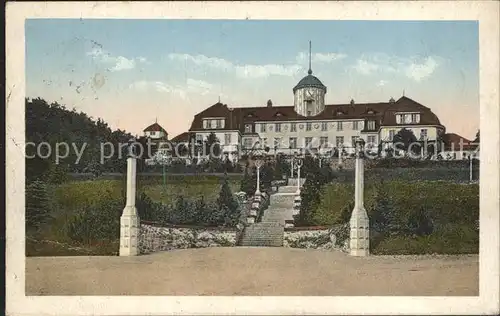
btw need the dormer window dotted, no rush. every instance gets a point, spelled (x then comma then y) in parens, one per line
(371, 125)
(391, 100)
(248, 128)
(370, 111)
(407, 118)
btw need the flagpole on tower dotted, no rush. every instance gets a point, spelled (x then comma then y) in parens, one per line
(310, 69)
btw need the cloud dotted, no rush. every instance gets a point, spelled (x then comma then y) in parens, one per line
(192, 86)
(419, 71)
(414, 68)
(382, 83)
(303, 57)
(241, 71)
(116, 63)
(365, 67)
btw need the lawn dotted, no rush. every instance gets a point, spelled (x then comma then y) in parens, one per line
(77, 194)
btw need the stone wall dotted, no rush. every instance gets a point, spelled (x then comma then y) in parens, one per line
(316, 238)
(154, 238)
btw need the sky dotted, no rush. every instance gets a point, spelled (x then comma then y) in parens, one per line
(133, 72)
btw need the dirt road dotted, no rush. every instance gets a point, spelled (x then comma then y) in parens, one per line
(253, 271)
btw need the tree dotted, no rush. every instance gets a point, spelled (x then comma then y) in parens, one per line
(383, 218)
(212, 146)
(37, 206)
(248, 183)
(403, 139)
(419, 223)
(227, 205)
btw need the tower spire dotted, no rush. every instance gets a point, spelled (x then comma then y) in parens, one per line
(310, 70)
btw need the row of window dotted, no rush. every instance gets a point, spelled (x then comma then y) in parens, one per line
(307, 142)
(356, 125)
(412, 118)
(423, 134)
(215, 123)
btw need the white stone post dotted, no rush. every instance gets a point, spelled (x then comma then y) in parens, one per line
(359, 223)
(129, 221)
(298, 164)
(258, 164)
(340, 157)
(470, 168)
(291, 169)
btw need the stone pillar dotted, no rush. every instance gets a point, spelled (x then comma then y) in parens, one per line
(298, 179)
(359, 223)
(129, 221)
(258, 164)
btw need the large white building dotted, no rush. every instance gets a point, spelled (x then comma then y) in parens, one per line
(310, 123)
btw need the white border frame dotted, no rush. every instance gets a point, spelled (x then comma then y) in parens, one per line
(486, 12)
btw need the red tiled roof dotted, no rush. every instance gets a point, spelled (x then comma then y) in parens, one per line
(453, 141)
(155, 127)
(184, 137)
(382, 113)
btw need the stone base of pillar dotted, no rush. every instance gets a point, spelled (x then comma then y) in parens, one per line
(250, 220)
(296, 205)
(129, 232)
(359, 237)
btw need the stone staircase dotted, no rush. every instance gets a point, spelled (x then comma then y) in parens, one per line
(269, 232)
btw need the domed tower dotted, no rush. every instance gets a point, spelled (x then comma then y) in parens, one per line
(309, 94)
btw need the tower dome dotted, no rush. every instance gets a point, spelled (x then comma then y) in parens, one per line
(309, 94)
(309, 81)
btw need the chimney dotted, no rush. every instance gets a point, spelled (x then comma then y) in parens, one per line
(269, 103)
(352, 102)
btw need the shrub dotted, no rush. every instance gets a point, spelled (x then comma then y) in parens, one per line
(96, 224)
(37, 206)
(383, 218)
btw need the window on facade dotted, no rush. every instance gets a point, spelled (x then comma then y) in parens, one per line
(353, 140)
(415, 118)
(248, 128)
(339, 141)
(227, 138)
(308, 142)
(199, 138)
(423, 134)
(309, 113)
(391, 134)
(293, 127)
(218, 123)
(247, 142)
(398, 119)
(371, 125)
(371, 141)
(206, 124)
(263, 142)
(308, 126)
(324, 126)
(323, 141)
(293, 142)
(407, 118)
(278, 127)
(262, 128)
(339, 126)
(355, 125)
(277, 142)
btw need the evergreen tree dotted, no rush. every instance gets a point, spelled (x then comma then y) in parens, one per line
(419, 223)
(248, 183)
(227, 205)
(383, 217)
(37, 206)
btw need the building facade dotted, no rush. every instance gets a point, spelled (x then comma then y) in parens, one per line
(311, 124)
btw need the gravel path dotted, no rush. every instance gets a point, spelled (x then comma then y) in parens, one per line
(253, 271)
